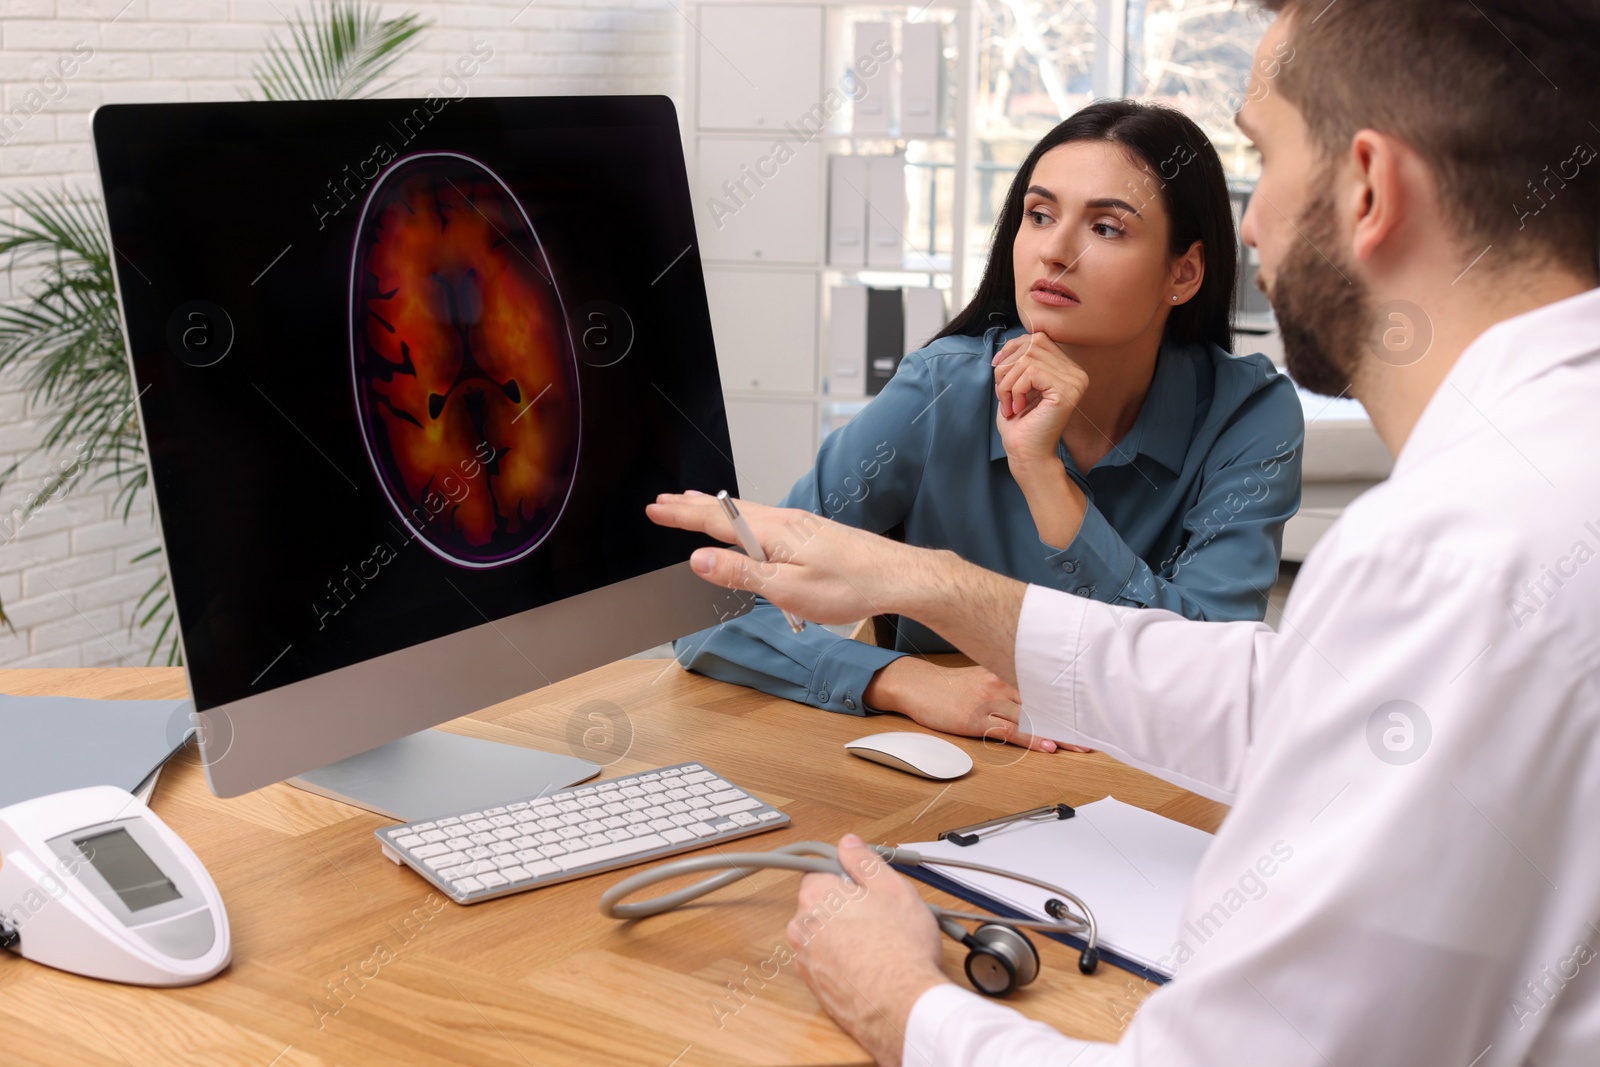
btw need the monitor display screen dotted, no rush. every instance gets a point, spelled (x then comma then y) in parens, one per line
(406, 367)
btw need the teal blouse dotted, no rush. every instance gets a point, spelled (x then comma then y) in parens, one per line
(1185, 513)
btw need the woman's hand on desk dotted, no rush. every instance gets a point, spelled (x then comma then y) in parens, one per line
(965, 701)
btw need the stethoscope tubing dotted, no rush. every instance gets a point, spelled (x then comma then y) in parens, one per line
(819, 857)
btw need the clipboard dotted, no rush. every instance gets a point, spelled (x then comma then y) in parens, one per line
(1133, 868)
(1006, 911)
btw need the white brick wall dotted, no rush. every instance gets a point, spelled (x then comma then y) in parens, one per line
(67, 580)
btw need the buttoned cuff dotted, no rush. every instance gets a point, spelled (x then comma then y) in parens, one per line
(1049, 638)
(951, 1027)
(842, 675)
(1098, 563)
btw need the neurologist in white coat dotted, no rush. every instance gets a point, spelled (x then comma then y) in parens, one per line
(1410, 873)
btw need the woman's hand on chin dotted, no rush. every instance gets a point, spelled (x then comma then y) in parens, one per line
(1038, 387)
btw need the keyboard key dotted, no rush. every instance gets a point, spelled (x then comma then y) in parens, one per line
(478, 852)
(699, 776)
(433, 835)
(526, 842)
(683, 819)
(553, 849)
(502, 862)
(606, 853)
(518, 806)
(769, 816)
(439, 863)
(698, 803)
(421, 826)
(492, 879)
(467, 885)
(422, 852)
(738, 805)
(459, 844)
(744, 818)
(700, 829)
(450, 874)
(458, 830)
(409, 841)
(540, 868)
(515, 874)
(593, 841)
(660, 824)
(493, 811)
(479, 826)
(677, 835)
(500, 848)
(726, 795)
(448, 822)
(724, 827)
(618, 835)
(699, 790)
(482, 838)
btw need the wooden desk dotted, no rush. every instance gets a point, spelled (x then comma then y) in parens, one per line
(540, 977)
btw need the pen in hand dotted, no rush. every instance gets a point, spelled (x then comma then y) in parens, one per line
(752, 547)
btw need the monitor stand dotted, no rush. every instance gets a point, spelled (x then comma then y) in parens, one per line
(436, 773)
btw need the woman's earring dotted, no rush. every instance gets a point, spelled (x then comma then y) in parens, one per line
(1174, 298)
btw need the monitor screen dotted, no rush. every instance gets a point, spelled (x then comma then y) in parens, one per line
(406, 368)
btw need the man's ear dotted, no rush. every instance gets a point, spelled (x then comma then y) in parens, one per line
(1380, 173)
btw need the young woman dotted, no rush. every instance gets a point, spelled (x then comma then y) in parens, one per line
(1082, 424)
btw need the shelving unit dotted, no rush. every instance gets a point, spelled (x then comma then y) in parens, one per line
(760, 75)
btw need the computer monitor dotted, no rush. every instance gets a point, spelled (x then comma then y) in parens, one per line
(407, 374)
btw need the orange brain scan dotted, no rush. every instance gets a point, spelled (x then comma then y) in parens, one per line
(464, 374)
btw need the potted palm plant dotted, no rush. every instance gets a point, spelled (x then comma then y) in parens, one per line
(64, 338)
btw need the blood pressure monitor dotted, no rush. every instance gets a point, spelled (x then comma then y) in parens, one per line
(93, 882)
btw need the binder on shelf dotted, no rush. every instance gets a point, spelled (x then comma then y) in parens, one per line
(847, 211)
(886, 332)
(921, 63)
(886, 211)
(925, 316)
(847, 340)
(872, 106)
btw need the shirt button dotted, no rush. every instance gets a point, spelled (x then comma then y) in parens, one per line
(823, 696)
(849, 704)
(1070, 566)
(1084, 590)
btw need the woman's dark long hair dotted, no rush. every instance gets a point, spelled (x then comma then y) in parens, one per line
(1183, 167)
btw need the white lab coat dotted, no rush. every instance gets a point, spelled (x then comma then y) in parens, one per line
(1411, 870)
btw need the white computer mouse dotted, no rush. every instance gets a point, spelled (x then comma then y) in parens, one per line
(913, 752)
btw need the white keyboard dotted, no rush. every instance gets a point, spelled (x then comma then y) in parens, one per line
(479, 855)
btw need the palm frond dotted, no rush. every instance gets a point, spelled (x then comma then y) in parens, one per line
(337, 52)
(65, 339)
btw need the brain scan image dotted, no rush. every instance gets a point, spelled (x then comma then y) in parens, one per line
(463, 369)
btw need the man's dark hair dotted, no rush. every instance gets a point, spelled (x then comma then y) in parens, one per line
(1499, 97)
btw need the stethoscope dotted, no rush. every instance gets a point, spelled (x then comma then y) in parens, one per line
(1000, 957)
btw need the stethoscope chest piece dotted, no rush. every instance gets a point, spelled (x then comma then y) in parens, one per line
(1000, 959)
